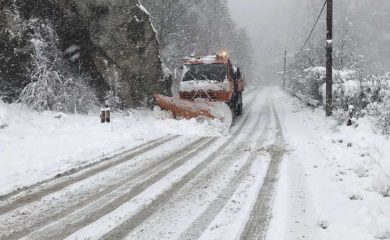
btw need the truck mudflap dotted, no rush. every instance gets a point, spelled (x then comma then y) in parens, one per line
(184, 109)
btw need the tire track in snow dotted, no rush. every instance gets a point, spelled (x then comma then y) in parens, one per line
(74, 177)
(257, 225)
(93, 169)
(203, 221)
(130, 224)
(95, 210)
(30, 226)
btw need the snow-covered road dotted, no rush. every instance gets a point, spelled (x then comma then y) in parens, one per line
(283, 172)
(175, 187)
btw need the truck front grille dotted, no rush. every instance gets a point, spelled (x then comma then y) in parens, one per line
(201, 94)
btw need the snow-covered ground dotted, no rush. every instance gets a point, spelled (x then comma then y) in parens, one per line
(181, 188)
(205, 184)
(334, 181)
(38, 146)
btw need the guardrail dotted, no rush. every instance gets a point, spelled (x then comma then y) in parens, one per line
(309, 101)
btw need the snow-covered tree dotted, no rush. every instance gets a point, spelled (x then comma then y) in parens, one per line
(188, 28)
(52, 85)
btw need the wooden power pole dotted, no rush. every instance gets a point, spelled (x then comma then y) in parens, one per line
(284, 69)
(329, 58)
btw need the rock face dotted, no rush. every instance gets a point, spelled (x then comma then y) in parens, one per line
(110, 41)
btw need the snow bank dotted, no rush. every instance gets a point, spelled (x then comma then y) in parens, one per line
(344, 191)
(38, 146)
(191, 127)
(3, 116)
(199, 126)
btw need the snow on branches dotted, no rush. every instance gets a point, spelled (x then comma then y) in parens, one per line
(53, 86)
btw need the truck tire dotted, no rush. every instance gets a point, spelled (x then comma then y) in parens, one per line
(239, 104)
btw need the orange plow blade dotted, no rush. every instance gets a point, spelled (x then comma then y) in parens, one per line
(195, 109)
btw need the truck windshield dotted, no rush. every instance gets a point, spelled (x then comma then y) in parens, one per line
(201, 72)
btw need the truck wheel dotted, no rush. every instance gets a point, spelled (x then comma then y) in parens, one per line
(239, 105)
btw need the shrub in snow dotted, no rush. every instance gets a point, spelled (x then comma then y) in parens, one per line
(382, 233)
(355, 197)
(323, 224)
(53, 86)
(380, 225)
(112, 100)
(361, 171)
(380, 101)
(367, 95)
(381, 184)
(60, 116)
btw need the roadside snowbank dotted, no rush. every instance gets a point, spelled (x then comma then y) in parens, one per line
(3, 116)
(38, 146)
(335, 180)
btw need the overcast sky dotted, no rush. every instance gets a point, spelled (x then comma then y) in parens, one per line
(278, 25)
(269, 25)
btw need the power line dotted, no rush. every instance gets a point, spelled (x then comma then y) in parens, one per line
(315, 24)
(312, 30)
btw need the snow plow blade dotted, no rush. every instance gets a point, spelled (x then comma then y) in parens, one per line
(195, 109)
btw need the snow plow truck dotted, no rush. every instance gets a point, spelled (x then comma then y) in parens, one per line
(211, 87)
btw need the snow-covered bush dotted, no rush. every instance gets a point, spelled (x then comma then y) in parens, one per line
(368, 95)
(381, 184)
(112, 100)
(379, 100)
(361, 170)
(53, 86)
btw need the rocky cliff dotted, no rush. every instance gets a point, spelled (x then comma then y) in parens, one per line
(110, 44)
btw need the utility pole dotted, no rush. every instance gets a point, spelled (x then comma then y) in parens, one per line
(329, 58)
(284, 70)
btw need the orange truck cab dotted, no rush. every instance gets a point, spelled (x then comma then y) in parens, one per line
(213, 78)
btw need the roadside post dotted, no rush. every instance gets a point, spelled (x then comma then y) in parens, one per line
(329, 58)
(284, 69)
(105, 115)
(350, 115)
